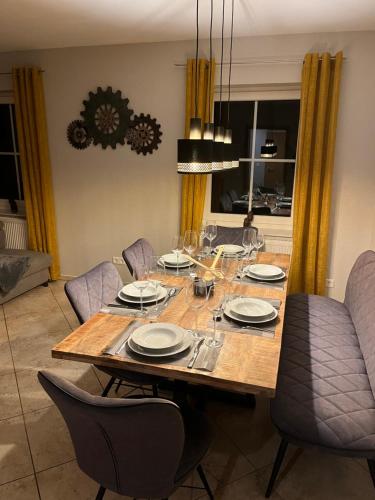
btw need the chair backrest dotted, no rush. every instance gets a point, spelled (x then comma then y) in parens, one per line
(90, 291)
(229, 235)
(360, 301)
(226, 202)
(137, 254)
(131, 446)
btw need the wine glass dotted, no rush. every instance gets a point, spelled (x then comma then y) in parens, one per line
(259, 241)
(190, 241)
(228, 267)
(177, 248)
(140, 281)
(248, 241)
(202, 237)
(196, 301)
(216, 300)
(211, 233)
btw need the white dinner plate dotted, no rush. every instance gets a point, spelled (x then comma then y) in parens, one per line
(258, 278)
(186, 344)
(161, 337)
(230, 249)
(234, 316)
(132, 300)
(251, 309)
(171, 259)
(133, 292)
(184, 265)
(264, 270)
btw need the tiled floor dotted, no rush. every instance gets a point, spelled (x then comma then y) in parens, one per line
(37, 457)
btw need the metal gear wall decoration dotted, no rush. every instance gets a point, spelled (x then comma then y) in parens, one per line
(107, 117)
(77, 135)
(144, 134)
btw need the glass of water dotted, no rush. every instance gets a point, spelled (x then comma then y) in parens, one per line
(211, 233)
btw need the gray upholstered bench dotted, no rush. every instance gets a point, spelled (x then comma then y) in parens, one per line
(326, 385)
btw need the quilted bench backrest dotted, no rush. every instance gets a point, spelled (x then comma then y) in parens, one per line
(360, 300)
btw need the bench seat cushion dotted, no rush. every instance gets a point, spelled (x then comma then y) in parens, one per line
(323, 395)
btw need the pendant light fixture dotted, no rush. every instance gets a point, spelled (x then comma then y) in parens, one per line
(218, 151)
(195, 154)
(208, 131)
(228, 150)
(234, 147)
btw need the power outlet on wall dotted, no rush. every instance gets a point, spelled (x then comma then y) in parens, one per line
(118, 260)
(330, 283)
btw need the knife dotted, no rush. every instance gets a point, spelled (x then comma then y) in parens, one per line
(196, 352)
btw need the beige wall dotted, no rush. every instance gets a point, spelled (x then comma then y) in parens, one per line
(105, 199)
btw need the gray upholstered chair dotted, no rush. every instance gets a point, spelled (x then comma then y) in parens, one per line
(87, 294)
(229, 235)
(143, 448)
(325, 394)
(137, 253)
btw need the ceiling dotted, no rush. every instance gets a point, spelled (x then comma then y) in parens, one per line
(40, 24)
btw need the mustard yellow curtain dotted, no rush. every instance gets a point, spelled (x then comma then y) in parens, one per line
(313, 184)
(194, 186)
(35, 163)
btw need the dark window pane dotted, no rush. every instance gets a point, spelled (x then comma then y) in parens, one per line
(273, 188)
(6, 143)
(15, 127)
(8, 178)
(241, 122)
(278, 120)
(230, 190)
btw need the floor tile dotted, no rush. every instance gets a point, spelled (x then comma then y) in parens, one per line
(38, 299)
(15, 456)
(3, 330)
(37, 323)
(10, 405)
(1, 312)
(310, 475)
(49, 438)
(21, 489)
(34, 397)
(6, 361)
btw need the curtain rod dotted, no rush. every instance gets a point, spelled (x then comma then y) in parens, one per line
(259, 61)
(9, 73)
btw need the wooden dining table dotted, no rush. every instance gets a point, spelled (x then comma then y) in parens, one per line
(247, 363)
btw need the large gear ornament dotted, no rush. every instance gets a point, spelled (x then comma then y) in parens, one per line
(107, 117)
(77, 135)
(143, 134)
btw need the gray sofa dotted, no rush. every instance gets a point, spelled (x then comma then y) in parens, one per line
(326, 384)
(36, 274)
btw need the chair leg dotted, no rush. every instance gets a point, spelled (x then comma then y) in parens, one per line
(118, 386)
(108, 386)
(276, 466)
(202, 475)
(100, 493)
(371, 466)
(155, 391)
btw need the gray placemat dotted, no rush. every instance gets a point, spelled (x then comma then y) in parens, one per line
(246, 280)
(206, 359)
(266, 330)
(152, 310)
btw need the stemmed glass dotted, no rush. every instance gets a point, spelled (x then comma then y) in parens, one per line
(211, 233)
(248, 241)
(177, 248)
(216, 300)
(190, 242)
(259, 240)
(202, 237)
(196, 301)
(229, 266)
(140, 281)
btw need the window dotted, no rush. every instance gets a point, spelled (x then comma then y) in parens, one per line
(266, 133)
(11, 190)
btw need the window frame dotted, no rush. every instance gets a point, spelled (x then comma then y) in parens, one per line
(275, 225)
(7, 98)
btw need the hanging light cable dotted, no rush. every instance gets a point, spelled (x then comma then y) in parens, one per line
(228, 132)
(208, 133)
(217, 161)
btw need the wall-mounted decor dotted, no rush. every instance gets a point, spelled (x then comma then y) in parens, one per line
(77, 135)
(144, 134)
(107, 117)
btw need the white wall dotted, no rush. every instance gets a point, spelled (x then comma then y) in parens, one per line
(105, 199)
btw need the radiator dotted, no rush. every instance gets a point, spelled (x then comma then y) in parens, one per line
(15, 232)
(278, 245)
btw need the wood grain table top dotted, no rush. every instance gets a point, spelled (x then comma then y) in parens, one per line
(247, 363)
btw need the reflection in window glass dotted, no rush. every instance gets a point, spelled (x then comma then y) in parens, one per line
(241, 121)
(8, 178)
(6, 143)
(230, 190)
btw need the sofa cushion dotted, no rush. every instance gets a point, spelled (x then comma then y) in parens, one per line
(37, 260)
(360, 300)
(323, 393)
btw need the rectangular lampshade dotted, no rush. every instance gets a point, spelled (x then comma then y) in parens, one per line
(195, 132)
(218, 154)
(194, 156)
(227, 155)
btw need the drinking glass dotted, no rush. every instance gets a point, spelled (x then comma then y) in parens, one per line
(196, 302)
(229, 266)
(190, 241)
(259, 241)
(248, 241)
(153, 272)
(177, 248)
(211, 232)
(202, 237)
(141, 282)
(216, 299)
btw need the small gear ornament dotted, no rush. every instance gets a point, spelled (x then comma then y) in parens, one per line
(143, 134)
(77, 135)
(107, 117)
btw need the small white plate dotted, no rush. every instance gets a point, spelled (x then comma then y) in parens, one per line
(234, 316)
(264, 270)
(171, 259)
(251, 309)
(132, 291)
(258, 278)
(132, 300)
(230, 249)
(186, 344)
(158, 336)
